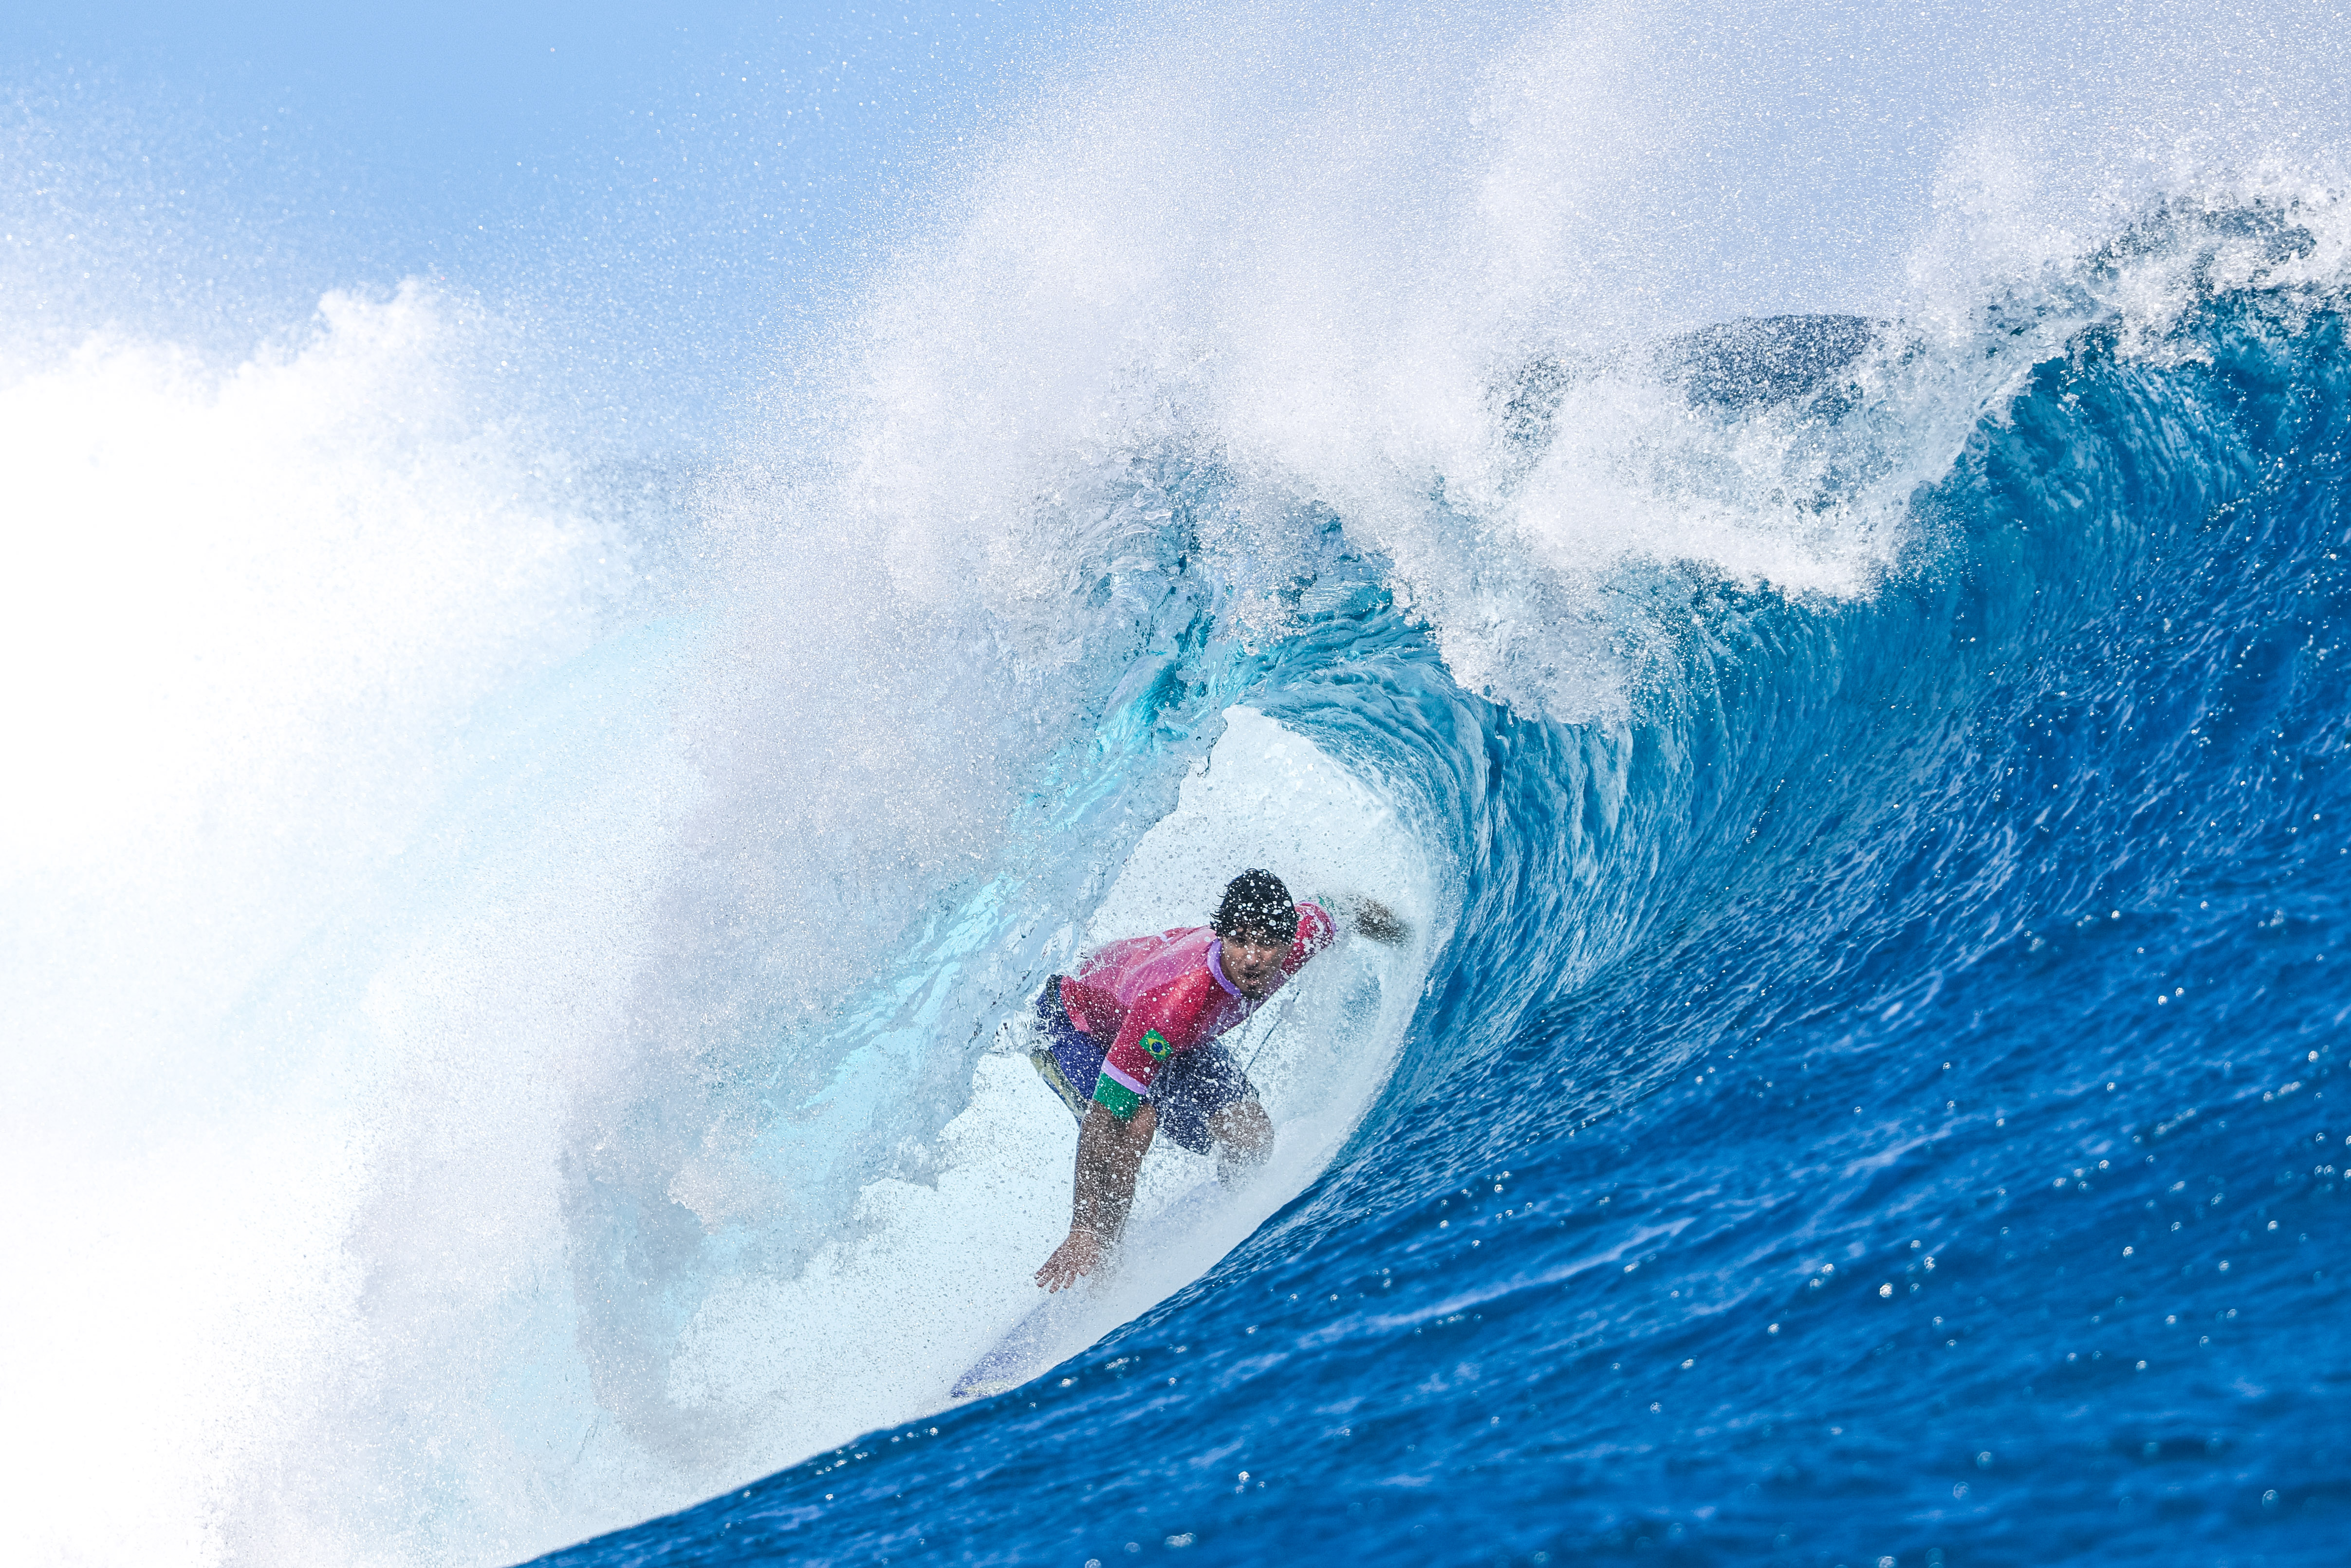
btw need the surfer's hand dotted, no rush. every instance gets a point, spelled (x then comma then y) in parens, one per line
(1376, 921)
(1081, 1253)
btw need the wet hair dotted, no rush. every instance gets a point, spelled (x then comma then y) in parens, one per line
(1256, 904)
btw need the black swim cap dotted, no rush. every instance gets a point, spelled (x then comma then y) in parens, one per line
(1256, 904)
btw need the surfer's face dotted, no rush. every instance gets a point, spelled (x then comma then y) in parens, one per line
(1253, 964)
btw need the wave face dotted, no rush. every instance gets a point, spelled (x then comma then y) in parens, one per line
(1868, 1104)
(1836, 659)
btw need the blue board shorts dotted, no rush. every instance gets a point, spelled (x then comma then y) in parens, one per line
(1190, 1089)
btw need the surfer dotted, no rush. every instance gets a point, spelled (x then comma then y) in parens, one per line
(1130, 1044)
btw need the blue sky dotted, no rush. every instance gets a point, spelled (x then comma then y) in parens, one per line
(672, 179)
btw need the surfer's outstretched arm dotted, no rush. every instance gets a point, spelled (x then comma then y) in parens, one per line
(1109, 1151)
(1374, 920)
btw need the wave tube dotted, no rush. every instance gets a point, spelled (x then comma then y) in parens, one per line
(945, 1261)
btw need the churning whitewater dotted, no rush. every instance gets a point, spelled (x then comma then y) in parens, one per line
(1841, 675)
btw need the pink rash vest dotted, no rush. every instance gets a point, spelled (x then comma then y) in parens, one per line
(1152, 997)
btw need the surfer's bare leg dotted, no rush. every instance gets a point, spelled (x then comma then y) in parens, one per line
(1109, 1153)
(1244, 1135)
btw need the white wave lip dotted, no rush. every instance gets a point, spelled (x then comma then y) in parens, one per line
(1323, 261)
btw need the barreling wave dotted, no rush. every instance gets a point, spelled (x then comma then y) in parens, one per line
(1868, 1092)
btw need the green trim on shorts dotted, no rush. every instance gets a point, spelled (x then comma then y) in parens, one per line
(1116, 1097)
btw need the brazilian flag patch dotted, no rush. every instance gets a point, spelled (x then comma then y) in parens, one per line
(1156, 1043)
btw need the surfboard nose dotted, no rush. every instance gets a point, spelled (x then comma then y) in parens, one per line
(1031, 1347)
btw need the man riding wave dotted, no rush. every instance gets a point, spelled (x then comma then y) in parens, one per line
(1131, 1045)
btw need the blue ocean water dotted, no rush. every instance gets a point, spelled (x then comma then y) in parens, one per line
(1872, 1105)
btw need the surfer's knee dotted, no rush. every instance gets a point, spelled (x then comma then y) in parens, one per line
(1135, 1127)
(1245, 1129)
(1244, 1135)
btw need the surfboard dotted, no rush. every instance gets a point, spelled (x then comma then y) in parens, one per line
(1027, 1348)
(1066, 1322)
